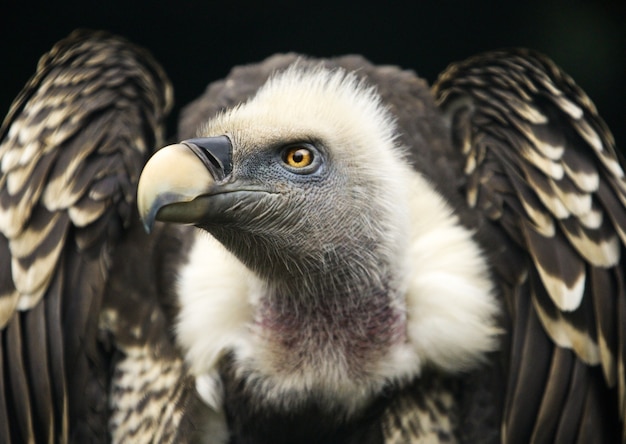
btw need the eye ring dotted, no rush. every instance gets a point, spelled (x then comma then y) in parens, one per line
(298, 156)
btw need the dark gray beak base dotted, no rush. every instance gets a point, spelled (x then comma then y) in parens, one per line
(215, 152)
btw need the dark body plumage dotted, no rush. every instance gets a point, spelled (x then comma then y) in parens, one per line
(90, 351)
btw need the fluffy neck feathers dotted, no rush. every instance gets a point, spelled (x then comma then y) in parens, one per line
(442, 314)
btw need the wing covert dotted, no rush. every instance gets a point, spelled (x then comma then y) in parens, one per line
(71, 150)
(542, 166)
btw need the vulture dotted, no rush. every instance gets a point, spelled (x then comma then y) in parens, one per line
(328, 251)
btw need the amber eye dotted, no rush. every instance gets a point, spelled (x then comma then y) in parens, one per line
(298, 157)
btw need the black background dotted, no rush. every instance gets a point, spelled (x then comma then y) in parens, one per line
(198, 42)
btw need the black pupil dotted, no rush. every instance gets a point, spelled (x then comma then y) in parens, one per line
(298, 156)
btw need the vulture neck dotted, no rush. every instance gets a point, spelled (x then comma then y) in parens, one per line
(327, 334)
(345, 308)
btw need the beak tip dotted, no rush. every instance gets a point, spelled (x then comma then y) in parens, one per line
(147, 226)
(147, 219)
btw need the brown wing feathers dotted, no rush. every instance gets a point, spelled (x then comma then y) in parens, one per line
(72, 147)
(562, 199)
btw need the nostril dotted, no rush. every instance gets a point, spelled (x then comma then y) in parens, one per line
(215, 153)
(208, 159)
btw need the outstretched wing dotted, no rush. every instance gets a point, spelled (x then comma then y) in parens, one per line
(542, 165)
(71, 150)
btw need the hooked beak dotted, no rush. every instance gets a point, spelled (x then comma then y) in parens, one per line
(175, 179)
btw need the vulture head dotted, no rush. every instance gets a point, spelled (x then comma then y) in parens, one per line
(301, 182)
(331, 268)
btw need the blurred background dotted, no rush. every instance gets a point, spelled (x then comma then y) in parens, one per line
(198, 42)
